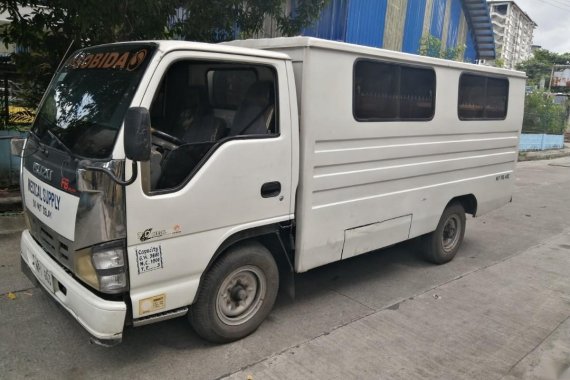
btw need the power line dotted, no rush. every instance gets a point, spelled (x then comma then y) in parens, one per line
(561, 2)
(556, 5)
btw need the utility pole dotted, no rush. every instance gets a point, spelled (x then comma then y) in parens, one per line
(551, 76)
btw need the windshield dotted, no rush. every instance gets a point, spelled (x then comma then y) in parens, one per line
(85, 105)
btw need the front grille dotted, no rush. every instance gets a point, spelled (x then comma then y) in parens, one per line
(53, 243)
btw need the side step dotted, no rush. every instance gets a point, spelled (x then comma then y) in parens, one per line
(160, 317)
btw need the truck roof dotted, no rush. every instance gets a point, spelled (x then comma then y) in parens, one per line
(311, 42)
(166, 46)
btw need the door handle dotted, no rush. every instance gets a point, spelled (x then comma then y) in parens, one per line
(270, 189)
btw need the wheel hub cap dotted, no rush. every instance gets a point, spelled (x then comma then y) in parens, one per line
(451, 233)
(241, 295)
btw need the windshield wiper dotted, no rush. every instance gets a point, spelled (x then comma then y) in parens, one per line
(52, 135)
(60, 143)
(37, 142)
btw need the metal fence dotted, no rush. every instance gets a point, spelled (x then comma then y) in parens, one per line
(543, 131)
(13, 113)
(9, 164)
(548, 123)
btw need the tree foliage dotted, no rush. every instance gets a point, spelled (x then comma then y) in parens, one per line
(218, 20)
(432, 46)
(540, 65)
(542, 115)
(44, 35)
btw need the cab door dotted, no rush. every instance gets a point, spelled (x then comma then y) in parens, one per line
(221, 164)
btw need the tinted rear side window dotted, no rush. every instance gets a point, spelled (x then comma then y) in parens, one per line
(482, 98)
(391, 92)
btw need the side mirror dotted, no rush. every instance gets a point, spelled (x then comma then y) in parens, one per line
(137, 137)
(137, 147)
(17, 146)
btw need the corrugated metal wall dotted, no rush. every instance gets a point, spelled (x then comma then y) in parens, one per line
(437, 17)
(456, 12)
(445, 24)
(427, 18)
(462, 33)
(395, 24)
(470, 50)
(414, 26)
(395, 18)
(365, 24)
(332, 23)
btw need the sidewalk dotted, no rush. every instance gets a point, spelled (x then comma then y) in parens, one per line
(10, 200)
(515, 325)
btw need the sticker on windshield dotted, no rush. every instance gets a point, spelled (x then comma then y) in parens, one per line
(108, 60)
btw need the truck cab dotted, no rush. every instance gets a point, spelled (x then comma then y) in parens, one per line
(119, 238)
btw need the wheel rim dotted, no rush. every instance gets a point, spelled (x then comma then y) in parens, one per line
(241, 295)
(450, 234)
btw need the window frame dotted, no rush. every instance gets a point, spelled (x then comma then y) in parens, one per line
(224, 140)
(474, 74)
(400, 65)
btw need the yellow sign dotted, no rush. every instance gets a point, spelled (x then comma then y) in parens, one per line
(20, 115)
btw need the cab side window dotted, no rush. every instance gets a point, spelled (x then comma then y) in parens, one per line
(199, 106)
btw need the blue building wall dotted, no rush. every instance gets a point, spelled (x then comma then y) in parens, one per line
(332, 23)
(539, 141)
(470, 49)
(413, 28)
(454, 22)
(437, 18)
(364, 22)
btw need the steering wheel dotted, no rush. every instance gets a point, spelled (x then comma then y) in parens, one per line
(165, 136)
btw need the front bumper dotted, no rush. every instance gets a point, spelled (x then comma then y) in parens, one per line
(103, 319)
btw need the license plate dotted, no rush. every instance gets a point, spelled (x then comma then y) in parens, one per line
(43, 274)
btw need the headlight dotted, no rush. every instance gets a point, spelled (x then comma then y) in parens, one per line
(103, 267)
(84, 268)
(113, 283)
(109, 255)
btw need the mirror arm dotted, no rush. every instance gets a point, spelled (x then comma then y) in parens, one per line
(112, 175)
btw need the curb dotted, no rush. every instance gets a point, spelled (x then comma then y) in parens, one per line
(10, 203)
(535, 156)
(11, 223)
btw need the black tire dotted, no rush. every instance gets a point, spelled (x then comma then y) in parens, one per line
(442, 245)
(250, 276)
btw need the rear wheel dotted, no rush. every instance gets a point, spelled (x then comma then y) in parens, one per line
(442, 245)
(236, 295)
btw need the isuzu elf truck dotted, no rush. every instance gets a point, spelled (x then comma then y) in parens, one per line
(167, 178)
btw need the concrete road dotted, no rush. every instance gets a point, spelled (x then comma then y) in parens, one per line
(499, 310)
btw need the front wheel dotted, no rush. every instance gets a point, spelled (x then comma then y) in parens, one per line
(236, 294)
(442, 245)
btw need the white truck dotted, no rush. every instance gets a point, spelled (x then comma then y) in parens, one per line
(171, 178)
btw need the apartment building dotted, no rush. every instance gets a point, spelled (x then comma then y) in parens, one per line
(513, 30)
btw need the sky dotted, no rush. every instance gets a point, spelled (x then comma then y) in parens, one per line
(553, 19)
